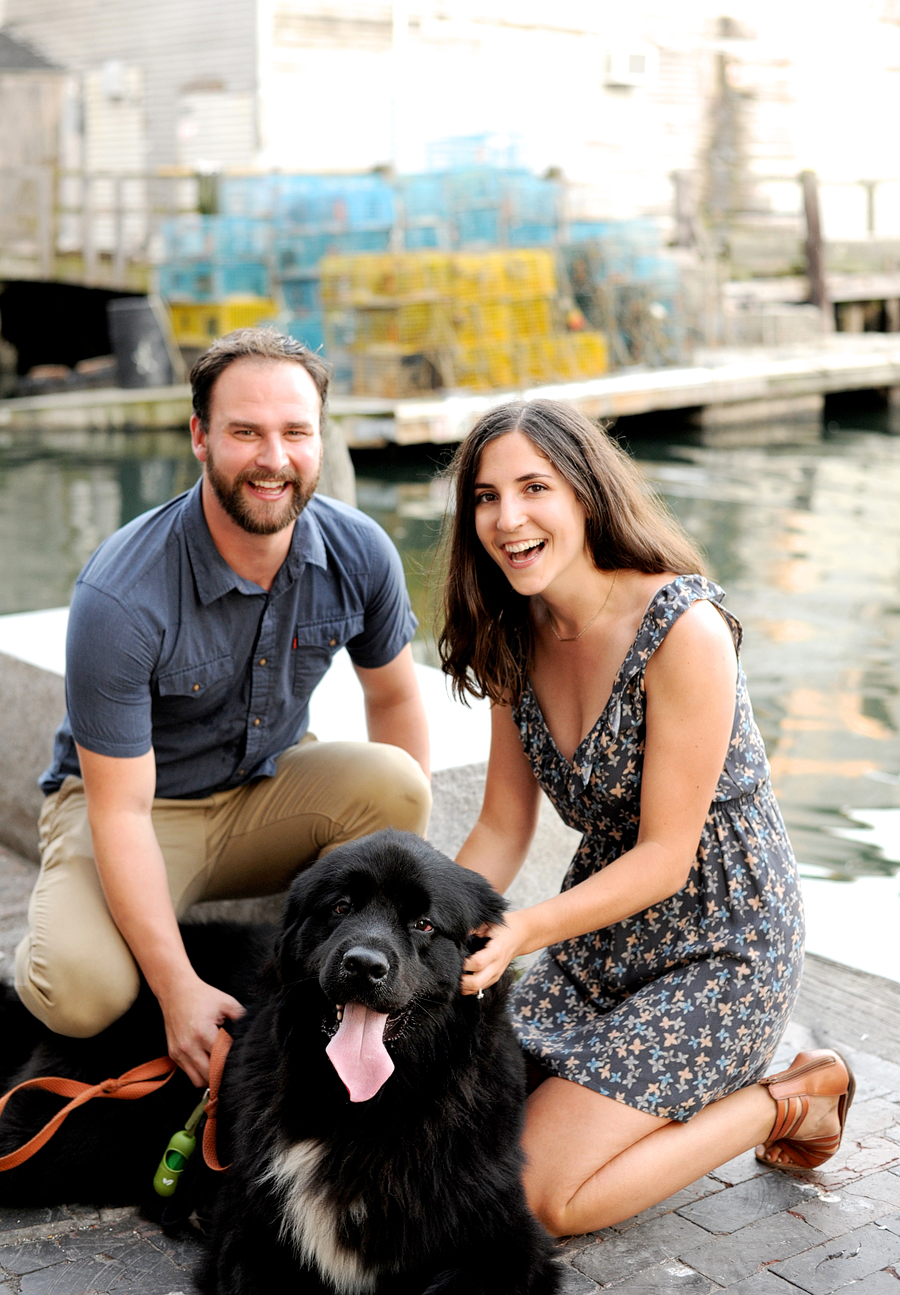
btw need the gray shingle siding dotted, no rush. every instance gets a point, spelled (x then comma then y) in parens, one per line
(180, 46)
(17, 56)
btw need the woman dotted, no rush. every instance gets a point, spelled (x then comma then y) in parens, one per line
(672, 956)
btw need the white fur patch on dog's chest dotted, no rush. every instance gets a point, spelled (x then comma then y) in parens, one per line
(311, 1221)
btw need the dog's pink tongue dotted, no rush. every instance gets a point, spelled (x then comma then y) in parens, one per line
(358, 1054)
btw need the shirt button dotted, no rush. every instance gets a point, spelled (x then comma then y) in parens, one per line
(256, 723)
(196, 687)
(332, 642)
(262, 660)
(241, 773)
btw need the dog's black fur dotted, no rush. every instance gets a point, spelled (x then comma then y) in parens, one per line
(415, 1191)
(106, 1152)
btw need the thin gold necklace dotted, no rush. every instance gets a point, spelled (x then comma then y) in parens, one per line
(577, 636)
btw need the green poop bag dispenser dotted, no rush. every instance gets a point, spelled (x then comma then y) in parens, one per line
(178, 1152)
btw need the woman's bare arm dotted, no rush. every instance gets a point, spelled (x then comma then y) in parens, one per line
(498, 843)
(690, 700)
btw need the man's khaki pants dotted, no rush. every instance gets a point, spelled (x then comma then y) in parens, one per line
(74, 971)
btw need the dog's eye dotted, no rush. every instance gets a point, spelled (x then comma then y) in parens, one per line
(423, 924)
(341, 908)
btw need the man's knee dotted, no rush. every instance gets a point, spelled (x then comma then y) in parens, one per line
(407, 793)
(398, 790)
(71, 998)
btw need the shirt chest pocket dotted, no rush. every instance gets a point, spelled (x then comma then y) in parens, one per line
(315, 645)
(204, 682)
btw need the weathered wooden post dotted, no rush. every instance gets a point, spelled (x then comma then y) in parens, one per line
(45, 239)
(815, 262)
(338, 479)
(119, 228)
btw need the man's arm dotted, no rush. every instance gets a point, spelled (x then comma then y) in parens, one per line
(132, 872)
(394, 710)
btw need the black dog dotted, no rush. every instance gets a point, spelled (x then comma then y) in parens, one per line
(370, 1112)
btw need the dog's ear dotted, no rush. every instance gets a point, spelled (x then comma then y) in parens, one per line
(486, 905)
(474, 943)
(300, 899)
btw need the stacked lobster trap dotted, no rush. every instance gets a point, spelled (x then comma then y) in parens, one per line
(474, 277)
(407, 323)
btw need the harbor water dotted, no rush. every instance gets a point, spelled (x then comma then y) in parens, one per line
(801, 525)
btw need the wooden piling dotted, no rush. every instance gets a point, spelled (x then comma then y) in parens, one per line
(815, 261)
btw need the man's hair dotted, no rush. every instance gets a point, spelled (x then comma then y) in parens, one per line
(252, 344)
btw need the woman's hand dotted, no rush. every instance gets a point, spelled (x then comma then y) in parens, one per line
(505, 941)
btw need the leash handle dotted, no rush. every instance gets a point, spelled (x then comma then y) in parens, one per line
(218, 1057)
(137, 1082)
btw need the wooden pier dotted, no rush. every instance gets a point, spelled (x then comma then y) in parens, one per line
(727, 386)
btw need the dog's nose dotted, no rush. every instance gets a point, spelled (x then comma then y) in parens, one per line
(366, 962)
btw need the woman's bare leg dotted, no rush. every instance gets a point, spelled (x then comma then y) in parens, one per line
(592, 1162)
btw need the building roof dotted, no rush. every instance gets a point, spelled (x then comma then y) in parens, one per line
(16, 56)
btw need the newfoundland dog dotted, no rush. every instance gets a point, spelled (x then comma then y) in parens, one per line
(370, 1113)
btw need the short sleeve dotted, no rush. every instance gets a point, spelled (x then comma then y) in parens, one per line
(389, 620)
(109, 665)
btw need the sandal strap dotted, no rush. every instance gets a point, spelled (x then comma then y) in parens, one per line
(790, 1112)
(807, 1153)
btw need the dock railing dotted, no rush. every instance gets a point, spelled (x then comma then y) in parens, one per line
(95, 228)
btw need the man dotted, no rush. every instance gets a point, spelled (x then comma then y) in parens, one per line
(183, 770)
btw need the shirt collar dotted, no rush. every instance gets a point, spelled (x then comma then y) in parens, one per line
(214, 577)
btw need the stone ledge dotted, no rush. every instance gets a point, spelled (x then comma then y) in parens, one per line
(32, 704)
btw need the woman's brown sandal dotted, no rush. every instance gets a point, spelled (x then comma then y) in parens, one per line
(823, 1073)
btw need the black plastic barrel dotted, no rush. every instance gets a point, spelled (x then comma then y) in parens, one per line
(140, 345)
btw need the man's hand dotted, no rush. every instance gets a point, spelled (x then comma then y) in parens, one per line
(193, 1014)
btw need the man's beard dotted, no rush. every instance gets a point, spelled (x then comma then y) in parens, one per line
(267, 521)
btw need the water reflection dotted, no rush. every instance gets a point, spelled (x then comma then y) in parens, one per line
(806, 539)
(61, 493)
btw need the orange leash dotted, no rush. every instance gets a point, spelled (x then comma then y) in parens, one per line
(139, 1082)
(219, 1056)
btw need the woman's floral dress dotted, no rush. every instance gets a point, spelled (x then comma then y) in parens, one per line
(684, 1002)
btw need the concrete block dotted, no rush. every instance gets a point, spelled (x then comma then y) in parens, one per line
(665, 1279)
(884, 1282)
(17, 876)
(457, 802)
(21, 1227)
(643, 1247)
(874, 1116)
(32, 703)
(836, 1213)
(746, 1165)
(99, 1276)
(28, 1258)
(572, 1282)
(762, 1283)
(183, 1250)
(731, 1258)
(884, 1186)
(824, 1268)
(737, 1207)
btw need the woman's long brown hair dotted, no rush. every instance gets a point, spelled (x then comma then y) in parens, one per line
(485, 643)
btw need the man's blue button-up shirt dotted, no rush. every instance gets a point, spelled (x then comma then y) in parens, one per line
(168, 647)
